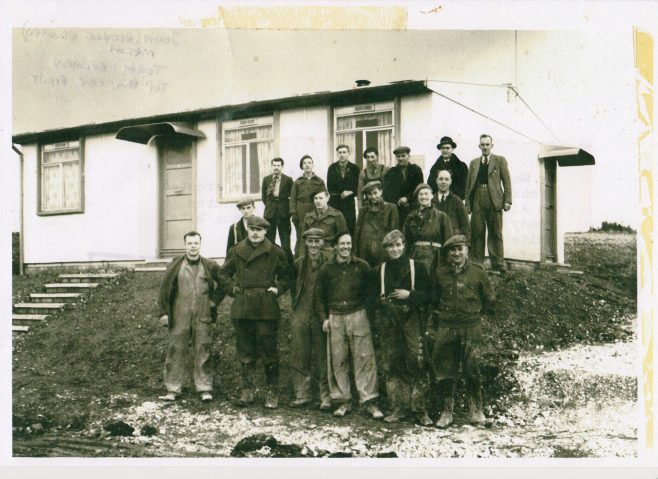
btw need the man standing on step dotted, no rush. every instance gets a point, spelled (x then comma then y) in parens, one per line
(342, 293)
(308, 345)
(401, 181)
(256, 273)
(462, 293)
(343, 183)
(488, 194)
(188, 306)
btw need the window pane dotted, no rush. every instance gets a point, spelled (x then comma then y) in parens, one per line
(59, 156)
(71, 185)
(368, 120)
(246, 134)
(233, 171)
(51, 180)
(264, 152)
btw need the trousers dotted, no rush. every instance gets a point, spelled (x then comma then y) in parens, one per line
(487, 222)
(349, 335)
(188, 328)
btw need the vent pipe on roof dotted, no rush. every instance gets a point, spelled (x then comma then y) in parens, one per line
(360, 83)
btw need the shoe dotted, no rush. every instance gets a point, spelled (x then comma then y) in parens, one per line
(477, 417)
(168, 397)
(325, 405)
(424, 419)
(246, 397)
(205, 397)
(272, 400)
(445, 420)
(342, 410)
(299, 403)
(396, 416)
(374, 411)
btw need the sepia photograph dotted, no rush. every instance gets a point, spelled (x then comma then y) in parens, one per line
(326, 231)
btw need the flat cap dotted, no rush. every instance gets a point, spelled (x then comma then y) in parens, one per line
(392, 236)
(257, 222)
(245, 203)
(315, 192)
(455, 241)
(371, 185)
(402, 149)
(421, 186)
(313, 233)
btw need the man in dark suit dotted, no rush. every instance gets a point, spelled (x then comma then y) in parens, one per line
(401, 181)
(275, 193)
(452, 205)
(238, 231)
(343, 184)
(449, 161)
(486, 200)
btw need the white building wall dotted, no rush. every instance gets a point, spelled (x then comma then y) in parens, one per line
(120, 217)
(417, 129)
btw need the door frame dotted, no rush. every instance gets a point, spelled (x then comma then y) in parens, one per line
(553, 239)
(161, 251)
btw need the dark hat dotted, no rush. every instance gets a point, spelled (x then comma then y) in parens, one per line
(456, 240)
(402, 149)
(371, 185)
(313, 233)
(257, 222)
(245, 203)
(392, 236)
(321, 190)
(446, 140)
(421, 186)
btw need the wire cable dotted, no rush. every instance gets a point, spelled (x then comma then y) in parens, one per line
(536, 115)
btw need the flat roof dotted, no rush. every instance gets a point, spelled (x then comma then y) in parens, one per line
(354, 95)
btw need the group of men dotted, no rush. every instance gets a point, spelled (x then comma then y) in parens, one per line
(351, 277)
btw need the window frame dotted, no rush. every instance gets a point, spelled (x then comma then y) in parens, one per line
(365, 109)
(40, 165)
(228, 124)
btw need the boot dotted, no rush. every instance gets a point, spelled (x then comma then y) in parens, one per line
(247, 377)
(396, 415)
(424, 419)
(445, 419)
(475, 415)
(272, 380)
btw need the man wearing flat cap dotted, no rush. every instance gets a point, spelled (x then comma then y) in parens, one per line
(373, 171)
(238, 231)
(376, 218)
(449, 161)
(308, 343)
(328, 219)
(403, 290)
(461, 293)
(257, 273)
(488, 194)
(400, 182)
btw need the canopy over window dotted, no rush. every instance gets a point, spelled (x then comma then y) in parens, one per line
(566, 155)
(143, 133)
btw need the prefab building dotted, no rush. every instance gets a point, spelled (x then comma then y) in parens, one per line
(126, 191)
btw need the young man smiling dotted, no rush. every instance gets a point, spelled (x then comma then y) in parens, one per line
(342, 292)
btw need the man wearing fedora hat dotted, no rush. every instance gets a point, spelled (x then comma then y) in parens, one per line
(238, 230)
(449, 161)
(461, 293)
(401, 181)
(256, 273)
(376, 218)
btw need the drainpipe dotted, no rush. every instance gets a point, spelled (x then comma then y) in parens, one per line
(20, 213)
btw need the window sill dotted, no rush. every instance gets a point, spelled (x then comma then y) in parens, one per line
(60, 212)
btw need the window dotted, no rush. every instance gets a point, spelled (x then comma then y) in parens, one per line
(61, 178)
(247, 151)
(363, 126)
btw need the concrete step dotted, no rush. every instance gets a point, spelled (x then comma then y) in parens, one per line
(18, 319)
(150, 269)
(19, 329)
(85, 277)
(69, 287)
(38, 308)
(54, 297)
